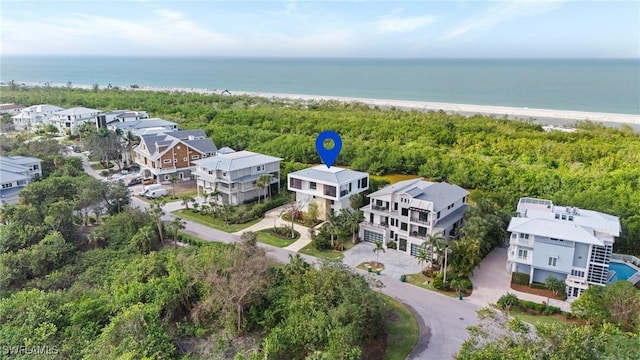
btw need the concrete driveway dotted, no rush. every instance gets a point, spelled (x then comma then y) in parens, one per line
(395, 263)
(491, 280)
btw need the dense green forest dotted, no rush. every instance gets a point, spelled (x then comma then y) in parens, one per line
(84, 276)
(501, 160)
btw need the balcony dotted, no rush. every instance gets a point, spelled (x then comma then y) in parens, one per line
(515, 240)
(576, 281)
(419, 221)
(377, 226)
(380, 208)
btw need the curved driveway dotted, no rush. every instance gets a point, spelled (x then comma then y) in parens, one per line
(444, 318)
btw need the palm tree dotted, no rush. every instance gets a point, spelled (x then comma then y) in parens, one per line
(377, 249)
(173, 180)
(144, 239)
(186, 199)
(423, 257)
(130, 142)
(265, 180)
(260, 185)
(176, 225)
(157, 212)
(333, 227)
(436, 245)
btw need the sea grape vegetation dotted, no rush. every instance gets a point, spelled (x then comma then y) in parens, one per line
(501, 160)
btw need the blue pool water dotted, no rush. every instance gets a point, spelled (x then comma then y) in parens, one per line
(622, 271)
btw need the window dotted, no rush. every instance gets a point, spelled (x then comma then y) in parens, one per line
(552, 261)
(362, 183)
(166, 161)
(260, 168)
(312, 185)
(391, 234)
(524, 236)
(395, 206)
(405, 212)
(523, 254)
(185, 159)
(195, 156)
(295, 183)
(438, 217)
(22, 182)
(403, 226)
(36, 167)
(166, 177)
(570, 217)
(6, 186)
(557, 216)
(564, 217)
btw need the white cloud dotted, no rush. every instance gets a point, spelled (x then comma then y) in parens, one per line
(404, 24)
(168, 33)
(504, 11)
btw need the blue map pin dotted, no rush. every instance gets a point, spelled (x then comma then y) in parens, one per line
(328, 156)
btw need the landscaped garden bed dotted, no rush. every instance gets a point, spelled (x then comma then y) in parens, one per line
(279, 237)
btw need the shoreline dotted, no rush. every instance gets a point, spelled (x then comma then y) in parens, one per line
(542, 116)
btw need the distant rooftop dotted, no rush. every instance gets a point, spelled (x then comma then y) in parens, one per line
(440, 194)
(329, 175)
(236, 160)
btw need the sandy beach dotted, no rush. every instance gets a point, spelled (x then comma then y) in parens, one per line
(541, 116)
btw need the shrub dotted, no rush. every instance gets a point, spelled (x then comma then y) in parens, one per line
(321, 242)
(550, 310)
(537, 285)
(438, 283)
(520, 278)
(392, 245)
(533, 306)
(105, 173)
(507, 301)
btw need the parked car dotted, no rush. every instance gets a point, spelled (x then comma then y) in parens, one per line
(134, 181)
(156, 193)
(148, 181)
(146, 189)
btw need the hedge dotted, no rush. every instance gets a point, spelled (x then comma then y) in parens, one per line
(520, 278)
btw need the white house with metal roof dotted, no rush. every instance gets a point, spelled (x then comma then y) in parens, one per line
(236, 176)
(15, 173)
(35, 116)
(329, 187)
(69, 120)
(571, 244)
(409, 211)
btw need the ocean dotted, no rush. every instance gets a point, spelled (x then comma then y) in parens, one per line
(611, 86)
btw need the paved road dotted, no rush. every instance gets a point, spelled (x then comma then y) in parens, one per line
(443, 319)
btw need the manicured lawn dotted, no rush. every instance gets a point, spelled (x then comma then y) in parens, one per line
(333, 255)
(539, 319)
(402, 330)
(216, 223)
(266, 237)
(419, 280)
(97, 167)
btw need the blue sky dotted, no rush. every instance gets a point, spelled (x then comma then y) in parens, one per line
(389, 29)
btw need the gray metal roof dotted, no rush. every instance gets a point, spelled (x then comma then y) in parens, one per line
(236, 160)
(142, 124)
(225, 150)
(559, 229)
(10, 176)
(440, 194)
(78, 111)
(172, 138)
(20, 160)
(332, 175)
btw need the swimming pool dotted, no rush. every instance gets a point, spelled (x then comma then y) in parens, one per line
(621, 271)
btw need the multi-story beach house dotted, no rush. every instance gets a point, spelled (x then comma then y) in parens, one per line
(571, 244)
(106, 118)
(144, 126)
(69, 120)
(15, 173)
(173, 153)
(238, 176)
(330, 188)
(409, 211)
(35, 116)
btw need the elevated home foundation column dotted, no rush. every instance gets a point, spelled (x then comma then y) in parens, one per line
(531, 275)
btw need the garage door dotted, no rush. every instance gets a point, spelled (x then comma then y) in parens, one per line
(370, 236)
